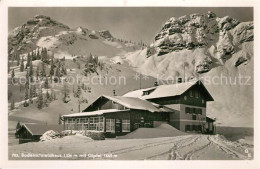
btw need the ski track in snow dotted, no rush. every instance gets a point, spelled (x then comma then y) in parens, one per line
(183, 148)
(188, 147)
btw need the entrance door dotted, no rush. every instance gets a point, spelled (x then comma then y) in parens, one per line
(118, 127)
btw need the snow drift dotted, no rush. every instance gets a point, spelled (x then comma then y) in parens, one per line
(164, 130)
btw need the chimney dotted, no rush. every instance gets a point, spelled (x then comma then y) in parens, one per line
(179, 80)
(114, 92)
(156, 83)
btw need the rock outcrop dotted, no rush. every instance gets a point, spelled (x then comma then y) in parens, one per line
(106, 34)
(24, 37)
(206, 31)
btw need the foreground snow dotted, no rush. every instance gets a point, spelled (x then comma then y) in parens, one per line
(188, 147)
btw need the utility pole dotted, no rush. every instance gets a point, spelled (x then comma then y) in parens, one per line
(184, 72)
(140, 81)
(184, 64)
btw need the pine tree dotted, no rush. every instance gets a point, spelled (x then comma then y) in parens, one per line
(46, 83)
(18, 59)
(12, 77)
(52, 67)
(34, 57)
(40, 100)
(27, 80)
(25, 104)
(65, 93)
(28, 60)
(37, 73)
(31, 100)
(78, 92)
(57, 73)
(38, 57)
(47, 95)
(18, 126)
(31, 69)
(43, 73)
(26, 95)
(22, 65)
(31, 95)
(34, 94)
(90, 59)
(46, 102)
(65, 71)
(52, 70)
(44, 55)
(12, 105)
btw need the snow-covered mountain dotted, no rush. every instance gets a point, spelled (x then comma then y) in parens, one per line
(206, 46)
(59, 39)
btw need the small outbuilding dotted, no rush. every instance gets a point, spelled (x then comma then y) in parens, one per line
(33, 132)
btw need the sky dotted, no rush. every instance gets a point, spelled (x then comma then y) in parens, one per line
(129, 23)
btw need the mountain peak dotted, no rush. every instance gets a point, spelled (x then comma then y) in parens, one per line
(195, 31)
(41, 17)
(106, 34)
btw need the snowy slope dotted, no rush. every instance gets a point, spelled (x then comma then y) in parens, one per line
(187, 147)
(208, 47)
(42, 31)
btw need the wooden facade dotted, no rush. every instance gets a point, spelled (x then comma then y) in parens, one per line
(115, 123)
(31, 132)
(189, 109)
(25, 136)
(118, 115)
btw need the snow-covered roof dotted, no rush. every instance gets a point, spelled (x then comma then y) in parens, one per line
(138, 93)
(170, 90)
(164, 90)
(134, 103)
(93, 113)
(40, 129)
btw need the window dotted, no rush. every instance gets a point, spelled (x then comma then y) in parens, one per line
(194, 128)
(110, 125)
(76, 123)
(187, 110)
(91, 123)
(146, 93)
(101, 124)
(199, 128)
(187, 128)
(126, 125)
(191, 93)
(96, 123)
(194, 110)
(200, 111)
(196, 92)
(194, 117)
